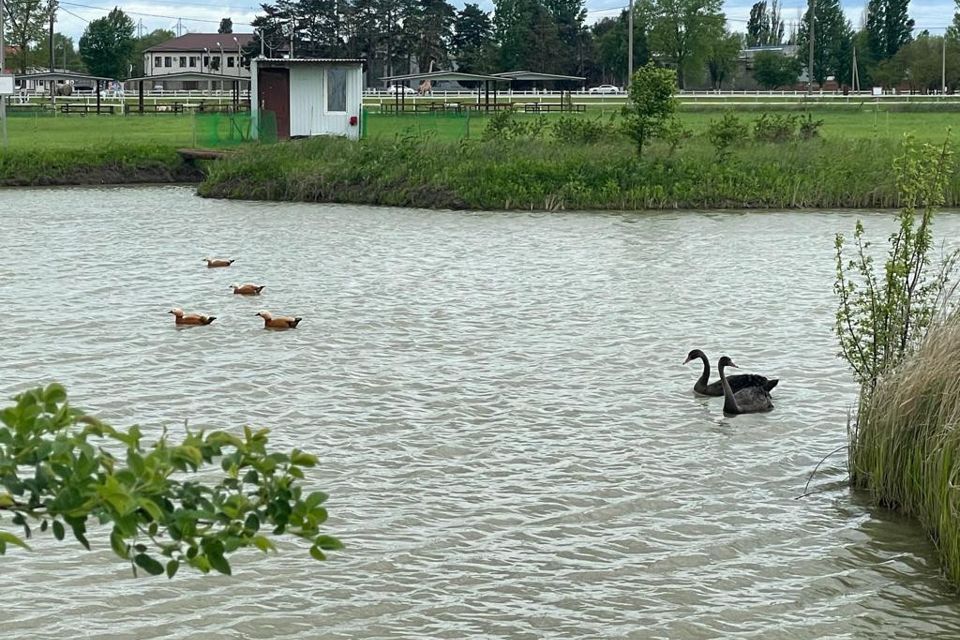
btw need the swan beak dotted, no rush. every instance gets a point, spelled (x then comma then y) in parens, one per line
(687, 360)
(733, 365)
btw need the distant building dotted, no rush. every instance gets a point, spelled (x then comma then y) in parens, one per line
(199, 52)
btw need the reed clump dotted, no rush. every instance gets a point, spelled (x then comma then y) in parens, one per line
(905, 443)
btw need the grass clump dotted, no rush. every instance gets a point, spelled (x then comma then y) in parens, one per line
(107, 164)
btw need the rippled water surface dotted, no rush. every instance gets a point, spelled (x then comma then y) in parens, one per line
(505, 426)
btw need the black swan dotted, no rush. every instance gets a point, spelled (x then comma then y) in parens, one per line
(737, 382)
(747, 400)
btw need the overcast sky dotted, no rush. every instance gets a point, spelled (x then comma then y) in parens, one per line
(204, 15)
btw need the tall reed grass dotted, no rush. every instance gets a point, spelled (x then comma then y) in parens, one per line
(905, 445)
(540, 174)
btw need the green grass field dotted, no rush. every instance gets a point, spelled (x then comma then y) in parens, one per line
(77, 131)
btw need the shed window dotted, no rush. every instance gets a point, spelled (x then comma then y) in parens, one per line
(230, 61)
(337, 90)
(193, 62)
(167, 61)
(157, 61)
(183, 62)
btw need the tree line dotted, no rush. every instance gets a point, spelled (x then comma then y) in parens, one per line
(551, 36)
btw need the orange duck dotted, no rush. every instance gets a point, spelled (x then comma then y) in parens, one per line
(247, 289)
(218, 262)
(271, 321)
(190, 318)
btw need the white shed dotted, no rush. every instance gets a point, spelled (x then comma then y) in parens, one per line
(308, 96)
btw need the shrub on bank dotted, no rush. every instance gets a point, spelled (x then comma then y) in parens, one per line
(108, 164)
(541, 174)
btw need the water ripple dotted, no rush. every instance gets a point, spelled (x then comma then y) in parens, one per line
(510, 441)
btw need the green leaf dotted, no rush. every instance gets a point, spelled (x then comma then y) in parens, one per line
(54, 393)
(252, 523)
(58, 530)
(172, 567)
(328, 543)
(220, 563)
(8, 538)
(118, 544)
(148, 564)
(316, 554)
(263, 543)
(302, 458)
(315, 499)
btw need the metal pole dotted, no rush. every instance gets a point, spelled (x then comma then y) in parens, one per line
(630, 45)
(3, 99)
(813, 9)
(943, 68)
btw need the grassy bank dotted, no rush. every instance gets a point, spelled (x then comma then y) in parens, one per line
(107, 164)
(905, 447)
(550, 175)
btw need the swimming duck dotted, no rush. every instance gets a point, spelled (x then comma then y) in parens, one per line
(737, 382)
(218, 262)
(247, 289)
(190, 318)
(271, 321)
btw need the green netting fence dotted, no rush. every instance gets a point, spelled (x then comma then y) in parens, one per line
(216, 130)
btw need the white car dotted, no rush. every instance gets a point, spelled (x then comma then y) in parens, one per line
(604, 88)
(393, 89)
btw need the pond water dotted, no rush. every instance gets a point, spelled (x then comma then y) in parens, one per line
(499, 402)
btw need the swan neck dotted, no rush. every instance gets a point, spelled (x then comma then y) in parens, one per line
(729, 402)
(705, 376)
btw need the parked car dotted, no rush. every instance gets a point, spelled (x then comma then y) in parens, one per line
(604, 88)
(394, 89)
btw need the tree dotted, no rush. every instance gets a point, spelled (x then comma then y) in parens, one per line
(107, 45)
(757, 26)
(681, 31)
(888, 27)
(953, 31)
(833, 43)
(151, 39)
(724, 49)
(650, 102)
(772, 70)
(432, 25)
(472, 38)
(226, 25)
(60, 468)
(25, 21)
(610, 36)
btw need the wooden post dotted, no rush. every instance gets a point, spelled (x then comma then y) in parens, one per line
(140, 96)
(98, 97)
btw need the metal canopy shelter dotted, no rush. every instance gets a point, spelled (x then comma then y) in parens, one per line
(191, 76)
(536, 76)
(483, 84)
(53, 76)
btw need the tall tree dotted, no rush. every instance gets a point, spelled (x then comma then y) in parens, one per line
(757, 26)
(682, 31)
(773, 70)
(107, 45)
(610, 35)
(472, 38)
(832, 47)
(775, 24)
(722, 54)
(888, 27)
(25, 21)
(226, 25)
(953, 31)
(432, 27)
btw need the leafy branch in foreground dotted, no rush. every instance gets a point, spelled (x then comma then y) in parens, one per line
(882, 316)
(60, 468)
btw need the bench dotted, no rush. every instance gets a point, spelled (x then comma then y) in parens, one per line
(74, 107)
(547, 107)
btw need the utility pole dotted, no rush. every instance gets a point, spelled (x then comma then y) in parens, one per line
(943, 68)
(53, 15)
(813, 10)
(3, 99)
(855, 74)
(630, 45)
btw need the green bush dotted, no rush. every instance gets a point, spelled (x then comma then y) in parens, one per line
(727, 132)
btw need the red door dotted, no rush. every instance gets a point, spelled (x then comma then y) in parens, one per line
(273, 87)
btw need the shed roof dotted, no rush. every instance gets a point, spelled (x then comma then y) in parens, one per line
(278, 61)
(200, 41)
(189, 76)
(535, 75)
(60, 75)
(453, 76)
